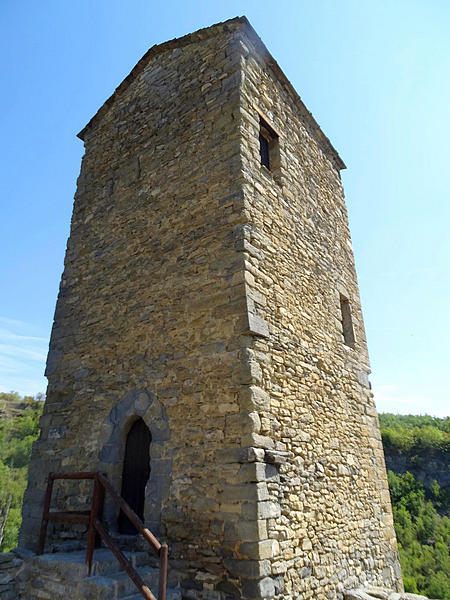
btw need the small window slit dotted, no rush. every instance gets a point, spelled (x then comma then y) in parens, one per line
(347, 324)
(268, 145)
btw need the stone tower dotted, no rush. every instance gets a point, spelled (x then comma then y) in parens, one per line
(209, 293)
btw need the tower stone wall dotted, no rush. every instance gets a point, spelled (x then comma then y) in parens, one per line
(152, 298)
(202, 293)
(335, 527)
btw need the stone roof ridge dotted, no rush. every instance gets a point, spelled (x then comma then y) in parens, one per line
(205, 33)
(196, 36)
(317, 132)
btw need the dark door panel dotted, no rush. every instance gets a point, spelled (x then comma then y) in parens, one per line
(136, 471)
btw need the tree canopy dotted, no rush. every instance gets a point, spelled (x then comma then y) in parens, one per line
(19, 427)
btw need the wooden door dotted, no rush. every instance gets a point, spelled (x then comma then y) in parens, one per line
(136, 471)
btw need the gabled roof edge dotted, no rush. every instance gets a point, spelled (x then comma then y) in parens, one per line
(202, 34)
(323, 140)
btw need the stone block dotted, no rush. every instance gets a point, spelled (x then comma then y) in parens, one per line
(257, 472)
(377, 592)
(258, 441)
(261, 510)
(251, 569)
(239, 455)
(244, 492)
(257, 326)
(357, 595)
(275, 457)
(257, 550)
(264, 588)
(251, 531)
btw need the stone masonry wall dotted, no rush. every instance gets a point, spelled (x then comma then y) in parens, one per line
(152, 307)
(10, 565)
(335, 527)
(201, 293)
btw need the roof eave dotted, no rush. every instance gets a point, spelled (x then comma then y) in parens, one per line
(272, 63)
(202, 34)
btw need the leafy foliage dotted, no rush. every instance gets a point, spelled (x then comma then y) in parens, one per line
(415, 434)
(413, 421)
(423, 537)
(19, 427)
(421, 516)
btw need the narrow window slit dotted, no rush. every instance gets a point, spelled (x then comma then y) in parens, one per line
(268, 145)
(347, 324)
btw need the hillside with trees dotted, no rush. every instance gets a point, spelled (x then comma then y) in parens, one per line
(419, 445)
(417, 457)
(19, 427)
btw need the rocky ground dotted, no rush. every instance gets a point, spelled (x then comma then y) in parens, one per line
(376, 593)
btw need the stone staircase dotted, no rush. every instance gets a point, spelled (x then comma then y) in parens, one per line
(63, 575)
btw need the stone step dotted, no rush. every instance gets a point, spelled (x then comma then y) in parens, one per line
(115, 585)
(119, 586)
(64, 574)
(103, 562)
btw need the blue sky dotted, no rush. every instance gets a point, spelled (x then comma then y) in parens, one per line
(376, 76)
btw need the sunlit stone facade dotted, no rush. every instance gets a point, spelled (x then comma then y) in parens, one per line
(203, 293)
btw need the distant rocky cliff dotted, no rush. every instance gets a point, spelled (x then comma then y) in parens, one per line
(429, 466)
(420, 445)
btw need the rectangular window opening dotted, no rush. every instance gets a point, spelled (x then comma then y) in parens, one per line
(347, 324)
(268, 145)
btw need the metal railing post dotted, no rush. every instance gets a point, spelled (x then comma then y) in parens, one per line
(45, 511)
(163, 561)
(92, 532)
(96, 527)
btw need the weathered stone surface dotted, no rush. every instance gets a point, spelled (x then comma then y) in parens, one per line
(202, 293)
(64, 575)
(264, 588)
(378, 592)
(357, 595)
(372, 592)
(10, 566)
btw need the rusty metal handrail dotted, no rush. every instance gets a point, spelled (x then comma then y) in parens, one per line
(96, 526)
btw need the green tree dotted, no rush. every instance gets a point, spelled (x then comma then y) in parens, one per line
(19, 427)
(423, 537)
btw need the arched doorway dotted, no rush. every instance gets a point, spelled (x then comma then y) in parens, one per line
(135, 474)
